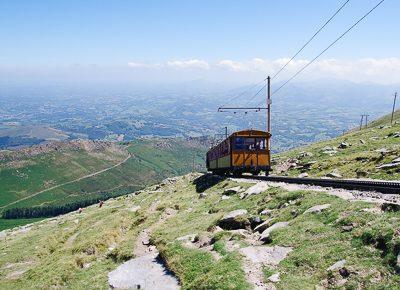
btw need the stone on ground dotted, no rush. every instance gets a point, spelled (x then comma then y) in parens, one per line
(334, 174)
(265, 236)
(145, 272)
(337, 265)
(266, 255)
(233, 190)
(255, 189)
(274, 278)
(263, 226)
(318, 208)
(235, 220)
(303, 175)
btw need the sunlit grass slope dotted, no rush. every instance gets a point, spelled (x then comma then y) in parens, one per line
(366, 150)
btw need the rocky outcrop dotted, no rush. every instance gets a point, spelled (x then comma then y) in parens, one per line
(234, 220)
(265, 235)
(318, 208)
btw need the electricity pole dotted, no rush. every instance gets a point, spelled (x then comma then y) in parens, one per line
(268, 109)
(226, 132)
(366, 121)
(361, 122)
(394, 107)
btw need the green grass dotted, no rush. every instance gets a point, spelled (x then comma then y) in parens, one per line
(53, 251)
(150, 163)
(11, 223)
(360, 160)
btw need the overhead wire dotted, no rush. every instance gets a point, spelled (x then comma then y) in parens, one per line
(242, 93)
(329, 46)
(312, 37)
(286, 64)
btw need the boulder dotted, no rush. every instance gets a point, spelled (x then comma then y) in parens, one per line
(303, 175)
(337, 265)
(383, 151)
(307, 164)
(344, 145)
(266, 255)
(329, 152)
(334, 174)
(225, 197)
(388, 166)
(263, 226)
(305, 154)
(202, 195)
(255, 221)
(274, 278)
(255, 189)
(233, 190)
(235, 220)
(188, 238)
(362, 141)
(327, 148)
(265, 236)
(318, 208)
(134, 208)
(396, 160)
(266, 212)
(388, 206)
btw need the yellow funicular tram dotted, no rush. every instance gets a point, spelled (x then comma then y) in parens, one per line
(246, 151)
(243, 151)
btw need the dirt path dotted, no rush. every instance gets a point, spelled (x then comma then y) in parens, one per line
(69, 182)
(146, 271)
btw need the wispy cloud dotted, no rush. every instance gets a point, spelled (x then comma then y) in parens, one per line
(191, 63)
(384, 70)
(143, 65)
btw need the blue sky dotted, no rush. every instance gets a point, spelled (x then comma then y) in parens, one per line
(44, 34)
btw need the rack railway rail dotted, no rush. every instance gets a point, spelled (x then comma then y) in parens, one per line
(387, 187)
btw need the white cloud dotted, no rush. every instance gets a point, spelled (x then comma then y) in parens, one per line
(233, 65)
(191, 63)
(384, 71)
(143, 65)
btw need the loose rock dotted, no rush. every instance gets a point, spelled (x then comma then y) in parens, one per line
(318, 208)
(337, 265)
(235, 220)
(265, 236)
(233, 190)
(274, 278)
(334, 174)
(256, 189)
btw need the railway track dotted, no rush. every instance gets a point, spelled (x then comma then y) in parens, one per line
(388, 187)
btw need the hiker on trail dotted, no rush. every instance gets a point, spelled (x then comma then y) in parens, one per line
(101, 203)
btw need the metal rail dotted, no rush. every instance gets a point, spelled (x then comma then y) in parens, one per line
(388, 187)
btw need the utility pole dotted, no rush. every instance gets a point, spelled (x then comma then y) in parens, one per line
(394, 107)
(366, 121)
(226, 132)
(268, 109)
(361, 122)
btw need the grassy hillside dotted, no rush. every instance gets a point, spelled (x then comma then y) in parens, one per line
(53, 176)
(363, 153)
(77, 251)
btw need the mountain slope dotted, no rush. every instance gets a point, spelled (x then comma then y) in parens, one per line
(322, 241)
(82, 172)
(368, 153)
